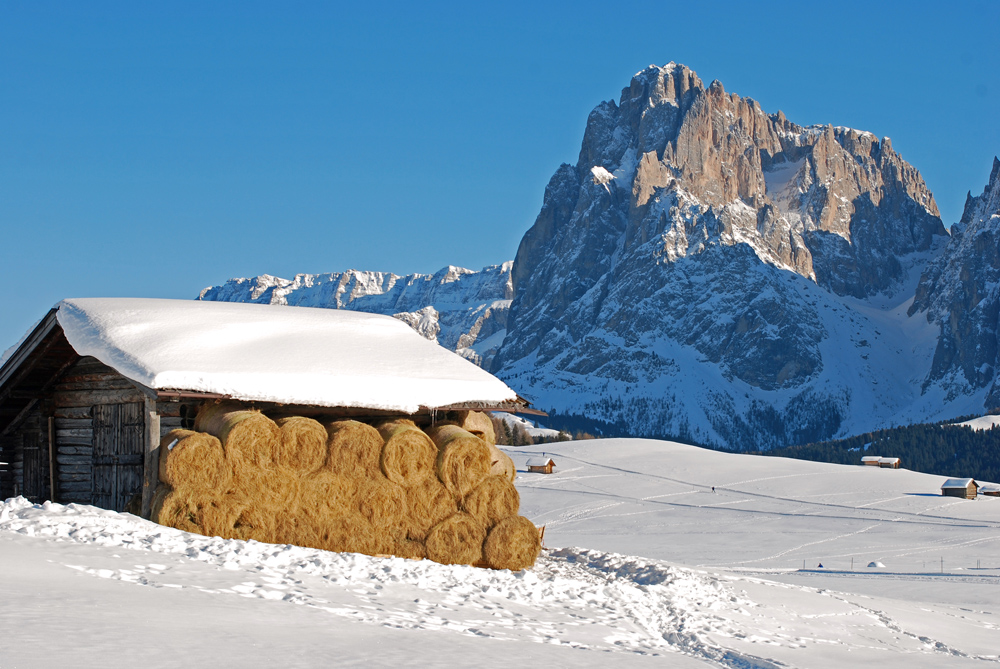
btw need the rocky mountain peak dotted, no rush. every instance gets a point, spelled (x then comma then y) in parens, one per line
(688, 210)
(960, 293)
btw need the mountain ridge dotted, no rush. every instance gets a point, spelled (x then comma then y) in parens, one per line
(717, 273)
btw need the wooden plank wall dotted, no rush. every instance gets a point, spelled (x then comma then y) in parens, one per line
(25, 450)
(85, 384)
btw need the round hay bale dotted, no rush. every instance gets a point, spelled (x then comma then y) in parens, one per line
(463, 460)
(303, 444)
(513, 544)
(250, 440)
(218, 518)
(193, 459)
(491, 501)
(501, 464)
(327, 495)
(456, 540)
(382, 503)
(408, 455)
(427, 505)
(351, 533)
(180, 508)
(353, 448)
(409, 549)
(252, 522)
(475, 422)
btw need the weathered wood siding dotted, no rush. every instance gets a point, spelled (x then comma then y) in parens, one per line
(99, 432)
(86, 384)
(118, 453)
(25, 449)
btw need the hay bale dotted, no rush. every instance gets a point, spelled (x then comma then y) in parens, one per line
(456, 540)
(250, 440)
(463, 459)
(303, 444)
(491, 501)
(251, 521)
(383, 504)
(350, 533)
(475, 422)
(409, 549)
(180, 508)
(193, 459)
(327, 495)
(427, 505)
(353, 448)
(513, 544)
(408, 455)
(501, 464)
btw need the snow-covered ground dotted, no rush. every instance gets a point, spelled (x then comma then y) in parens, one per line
(720, 581)
(982, 422)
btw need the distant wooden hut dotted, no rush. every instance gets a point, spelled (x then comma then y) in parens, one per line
(992, 491)
(966, 488)
(541, 465)
(889, 463)
(871, 460)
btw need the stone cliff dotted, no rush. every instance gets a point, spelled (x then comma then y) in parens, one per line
(693, 219)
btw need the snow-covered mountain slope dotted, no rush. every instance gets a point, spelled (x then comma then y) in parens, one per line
(960, 294)
(463, 310)
(718, 583)
(715, 272)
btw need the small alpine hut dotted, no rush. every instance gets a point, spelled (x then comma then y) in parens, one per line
(990, 491)
(541, 465)
(966, 488)
(87, 395)
(889, 463)
(871, 460)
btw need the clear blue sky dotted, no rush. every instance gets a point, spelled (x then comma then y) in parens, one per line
(155, 151)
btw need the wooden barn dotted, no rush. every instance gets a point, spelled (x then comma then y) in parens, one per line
(86, 397)
(541, 465)
(966, 488)
(889, 463)
(871, 460)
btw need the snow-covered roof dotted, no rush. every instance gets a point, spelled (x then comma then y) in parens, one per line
(957, 483)
(870, 458)
(291, 355)
(539, 462)
(888, 460)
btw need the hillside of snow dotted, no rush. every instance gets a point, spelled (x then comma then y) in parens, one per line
(646, 565)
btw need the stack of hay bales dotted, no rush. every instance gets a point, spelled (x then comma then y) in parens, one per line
(391, 488)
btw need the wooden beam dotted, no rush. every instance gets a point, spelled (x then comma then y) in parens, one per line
(19, 417)
(52, 459)
(151, 460)
(177, 395)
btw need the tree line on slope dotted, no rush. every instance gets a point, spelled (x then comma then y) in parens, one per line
(946, 450)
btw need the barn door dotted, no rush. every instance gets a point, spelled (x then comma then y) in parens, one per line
(35, 466)
(118, 454)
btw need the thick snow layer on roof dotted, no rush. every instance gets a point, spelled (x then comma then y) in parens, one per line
(292, 355)
(956, 483)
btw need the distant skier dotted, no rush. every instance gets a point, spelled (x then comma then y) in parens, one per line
(713, 488)
(820, 566)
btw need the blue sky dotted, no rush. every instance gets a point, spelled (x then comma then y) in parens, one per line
(155, 151)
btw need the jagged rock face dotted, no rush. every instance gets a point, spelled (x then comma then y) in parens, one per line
(462, 310)
(694, 218)
(960, 292)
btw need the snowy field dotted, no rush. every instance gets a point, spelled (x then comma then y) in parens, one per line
(720, 580)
